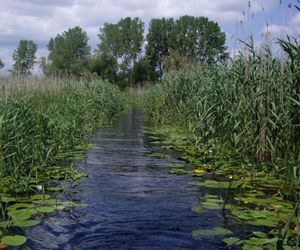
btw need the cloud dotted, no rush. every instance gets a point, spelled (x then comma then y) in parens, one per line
(39, 20)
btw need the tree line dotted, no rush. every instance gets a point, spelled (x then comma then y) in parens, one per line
(124, 55)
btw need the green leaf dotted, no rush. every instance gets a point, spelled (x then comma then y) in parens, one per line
(14, 241)
(54, 189)
(45, 209)
(22, 214)
(26, 223)
(40, 197)
(212, 205)
(211, 232)
(232, 241)
(260, 234)
(7, 199)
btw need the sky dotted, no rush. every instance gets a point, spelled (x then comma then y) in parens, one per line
(39, 20)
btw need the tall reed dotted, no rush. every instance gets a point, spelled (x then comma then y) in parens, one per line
(250, 107)
(41, 123)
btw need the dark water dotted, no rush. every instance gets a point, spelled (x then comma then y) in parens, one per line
(133, 201)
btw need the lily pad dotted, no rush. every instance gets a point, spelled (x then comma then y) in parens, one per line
(40, 197)
(232, 241)
(160, 155)
(26, 223)
(219, 184)
(212, 205)
(7, 199)
(211, 232)
(45, 209)
(19, 206)
(54, 189)
(14, 241)
(22, 214)
(180, 171)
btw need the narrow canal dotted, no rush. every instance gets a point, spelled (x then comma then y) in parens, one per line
(133, 202)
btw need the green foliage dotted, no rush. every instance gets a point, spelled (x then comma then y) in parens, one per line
(120, 43)
(159, 43)
(184, 42)
(249, 108)
(1, 64)
(39, 128)
(105, 66)
(69, 52)
(24, 57)
(200, 39)
(14, 241)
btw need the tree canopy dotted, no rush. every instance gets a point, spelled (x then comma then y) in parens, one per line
(199, 38)
(124, 55)
(69, 52)
(159, 40)
(121, 44)
(24, 57)
(1, 64)
(194, 39)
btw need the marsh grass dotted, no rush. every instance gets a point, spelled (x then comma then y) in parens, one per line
(250, 107)
(43, 121)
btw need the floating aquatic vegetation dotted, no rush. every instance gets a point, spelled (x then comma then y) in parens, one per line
(180, 171)
(160, 155)
(220, 184)
(211, 232)
(14, 241)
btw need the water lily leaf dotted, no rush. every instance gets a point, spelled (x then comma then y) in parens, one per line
(257, 241)
(14, 241)
(26, 223)
(263, 222)
(218, 184)
(45, 209)
(160, 155)
(54, 189)
(260, 234)
(210, 232)
(7, 199)
(46, 202)
(180, 171)
(22, 214)
(40, 197)
(19, 206)
(78, 176)
(23, 199)
(4, 224)
(233, 241)
(212, 205)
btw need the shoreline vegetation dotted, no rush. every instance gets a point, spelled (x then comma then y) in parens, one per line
(238, 128)
(44, 125)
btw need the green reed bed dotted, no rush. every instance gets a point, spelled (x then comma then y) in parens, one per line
(250, 108)
(44, 124)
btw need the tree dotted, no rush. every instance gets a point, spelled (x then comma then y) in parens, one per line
(104, 65)
(24, 57)
(200, 39)
(69, 52)
(122, 44)
(159, 43)
(1, 64)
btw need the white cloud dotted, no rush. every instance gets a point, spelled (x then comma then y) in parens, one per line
(39, 20)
